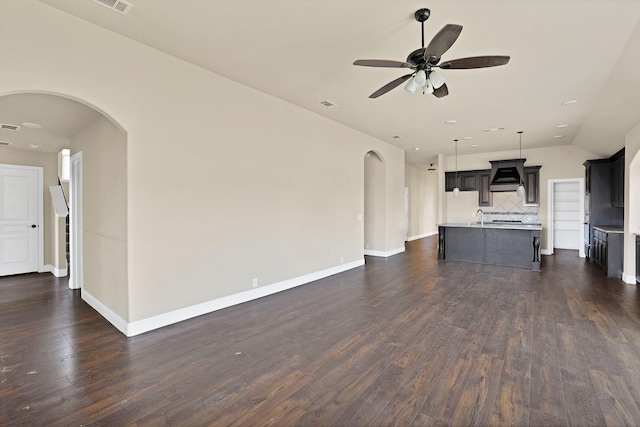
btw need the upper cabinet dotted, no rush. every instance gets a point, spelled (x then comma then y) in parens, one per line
(450, 181)
(617, 179)
(479, 180)
(468, 181)
(485, 197)
(604, 180)
(532, 186)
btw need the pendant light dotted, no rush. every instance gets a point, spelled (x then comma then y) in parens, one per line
(456, 190)
(520, 190)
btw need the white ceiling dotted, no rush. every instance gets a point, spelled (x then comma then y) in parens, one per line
(302, 51)
(59, 117)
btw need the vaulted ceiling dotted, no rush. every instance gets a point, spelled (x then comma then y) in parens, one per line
(302, 51)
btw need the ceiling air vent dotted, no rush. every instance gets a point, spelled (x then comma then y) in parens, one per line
(9, 127)
(120, 6)
(328, 104)
(5, 143)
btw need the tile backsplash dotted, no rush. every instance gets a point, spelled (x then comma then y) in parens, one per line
(508, 206)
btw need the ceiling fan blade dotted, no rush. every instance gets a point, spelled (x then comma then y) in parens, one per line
(474, 62)
(386, 88)
(382, 63)
(441, 42)
(441, 91)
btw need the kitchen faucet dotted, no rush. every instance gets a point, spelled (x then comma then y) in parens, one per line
(481, 216)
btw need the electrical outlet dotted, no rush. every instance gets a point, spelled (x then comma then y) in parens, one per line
(341, 260)
(255, 283)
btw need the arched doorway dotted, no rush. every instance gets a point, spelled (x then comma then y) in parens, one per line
(48, 123)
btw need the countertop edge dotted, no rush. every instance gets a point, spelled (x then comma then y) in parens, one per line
(493, 226)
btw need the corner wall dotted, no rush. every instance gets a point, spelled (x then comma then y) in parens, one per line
(632, 203)
(104, 207)
(423, 201)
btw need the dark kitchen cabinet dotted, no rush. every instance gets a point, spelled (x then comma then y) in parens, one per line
(480, 181)
(468, 181)
(531, 182)
(617, 179)
(450, 181)
(607, 249)
(600, 207)
(485, 197)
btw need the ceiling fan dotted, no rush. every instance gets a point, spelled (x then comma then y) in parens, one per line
(424, 60)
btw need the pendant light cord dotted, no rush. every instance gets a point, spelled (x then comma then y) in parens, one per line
(520, 132)
(456, 162)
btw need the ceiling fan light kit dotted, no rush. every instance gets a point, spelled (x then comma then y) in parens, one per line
(423, 61)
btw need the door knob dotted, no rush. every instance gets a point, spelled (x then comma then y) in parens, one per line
(33, 226)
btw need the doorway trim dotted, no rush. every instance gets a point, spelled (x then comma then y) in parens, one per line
(75, 223)
(550, 216)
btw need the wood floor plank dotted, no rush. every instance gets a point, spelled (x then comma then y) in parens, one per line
(580, 399)
(616, 402)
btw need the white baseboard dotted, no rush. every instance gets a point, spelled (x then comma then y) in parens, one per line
(165, 319)
(384, 254)
(105, 311)
(627, 278)
(421, 236)
(546, 252)
(58, 272)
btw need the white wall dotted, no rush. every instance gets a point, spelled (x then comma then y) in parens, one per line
(224, 184)
(423, 200)
(104, 207)
(562, 162)
(375, 204)
(631, 202)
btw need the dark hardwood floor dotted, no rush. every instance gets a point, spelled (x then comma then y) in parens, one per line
(402, 341)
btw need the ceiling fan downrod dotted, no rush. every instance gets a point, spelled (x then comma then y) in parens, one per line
(422, 15)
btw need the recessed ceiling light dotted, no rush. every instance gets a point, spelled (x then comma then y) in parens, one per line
(466, 138)
(474, 146)
(416, 149)
(571, 102)
(562, 126)
(31, 125)
(450, 122)
(558, 136)
(492, 129)
(35, 145)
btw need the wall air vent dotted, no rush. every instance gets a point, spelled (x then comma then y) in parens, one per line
(5, 143)
(9, 127)
(120, 6)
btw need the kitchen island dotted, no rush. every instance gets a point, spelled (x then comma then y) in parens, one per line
(516, 245)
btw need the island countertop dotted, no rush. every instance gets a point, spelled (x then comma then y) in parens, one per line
(610, 228)
(502, 225)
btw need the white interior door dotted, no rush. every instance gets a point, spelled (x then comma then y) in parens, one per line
(20, 219)
(567, 221)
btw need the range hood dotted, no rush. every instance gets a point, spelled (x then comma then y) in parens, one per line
(506, 175)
